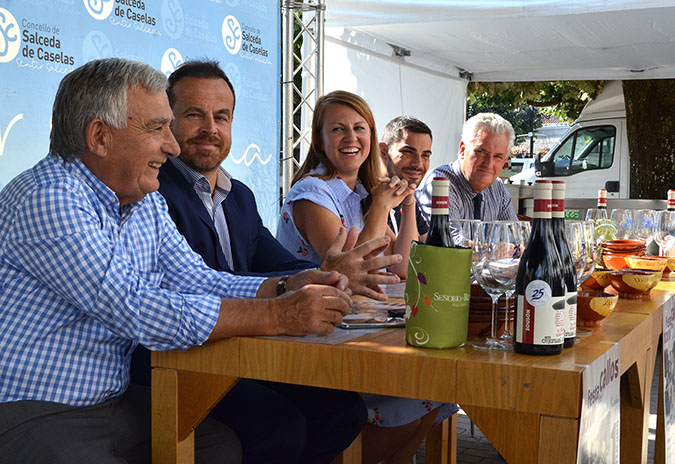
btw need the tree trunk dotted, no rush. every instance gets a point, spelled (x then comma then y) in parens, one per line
(650, 120)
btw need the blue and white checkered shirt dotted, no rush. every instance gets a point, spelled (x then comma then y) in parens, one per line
(82, 282)
(497, 204)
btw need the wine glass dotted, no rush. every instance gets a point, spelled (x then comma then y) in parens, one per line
(495, 268)
(596, 214)
(591, 246)
(523, 228)
(643, 225)
(462, 231)
(576, 240)
(580, 247)
(623, 221)
(664, 231)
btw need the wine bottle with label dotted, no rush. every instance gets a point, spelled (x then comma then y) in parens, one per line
(540, 288)
(569, 272)
(439, 231)
(671, 200)
(602, 204)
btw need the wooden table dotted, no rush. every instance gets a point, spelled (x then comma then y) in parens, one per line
(528, 407)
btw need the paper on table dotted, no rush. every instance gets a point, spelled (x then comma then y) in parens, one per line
(338, 336)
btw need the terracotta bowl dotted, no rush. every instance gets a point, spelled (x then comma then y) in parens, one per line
(623, 245)
(670, 265)
(652, 263)
(594, 306)
(614, 261)
(598, 280)
(634, 283)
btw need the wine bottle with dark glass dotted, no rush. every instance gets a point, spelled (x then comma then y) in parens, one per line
(602, 199)
(569, 271)
(439, 229)
(540, 288)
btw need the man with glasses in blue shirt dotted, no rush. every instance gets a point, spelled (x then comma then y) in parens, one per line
(475, 192)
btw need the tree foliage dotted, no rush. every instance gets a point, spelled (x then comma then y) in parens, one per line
(523, 118)
(564, 99)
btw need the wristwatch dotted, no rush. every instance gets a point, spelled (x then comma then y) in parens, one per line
(281, 285)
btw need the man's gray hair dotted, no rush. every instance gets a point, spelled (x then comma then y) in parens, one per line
(491, 122)
(97, 89)
(393, 131)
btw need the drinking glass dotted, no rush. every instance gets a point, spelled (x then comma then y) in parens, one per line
(580, 246)
(595, 214)
(605, 228)
(664, 231)
(524, 228)
(462, 231)
(623, 221)
(643, 225)
(494, 268)
(591, 248)
(576, 240)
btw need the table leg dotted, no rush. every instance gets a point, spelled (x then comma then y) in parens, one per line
(635, 394)
(180, 401)
(441, 446)
(528, 437)
(166, 447)
(660, 442)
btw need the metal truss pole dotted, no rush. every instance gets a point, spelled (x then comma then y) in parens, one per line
(298, 101)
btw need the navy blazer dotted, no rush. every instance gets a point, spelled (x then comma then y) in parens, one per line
(254, 250)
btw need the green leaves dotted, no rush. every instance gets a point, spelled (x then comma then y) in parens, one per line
(564, 99)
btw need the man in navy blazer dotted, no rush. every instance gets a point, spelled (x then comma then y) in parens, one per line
(218, 216)
(254, 249)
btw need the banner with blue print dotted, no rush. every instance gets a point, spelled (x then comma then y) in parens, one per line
(42, 40)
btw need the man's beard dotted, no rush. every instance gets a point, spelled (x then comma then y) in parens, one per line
(206, 160)
(410, 172)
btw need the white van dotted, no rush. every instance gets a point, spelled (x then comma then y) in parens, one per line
(594, 152)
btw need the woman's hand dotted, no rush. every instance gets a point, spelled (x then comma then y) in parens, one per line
(391, 192)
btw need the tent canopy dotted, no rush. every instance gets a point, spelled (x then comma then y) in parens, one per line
(502, 40)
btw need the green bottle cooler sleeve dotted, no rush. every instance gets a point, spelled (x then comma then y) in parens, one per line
(437, 295)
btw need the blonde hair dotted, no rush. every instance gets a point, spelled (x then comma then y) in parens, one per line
(371, 169)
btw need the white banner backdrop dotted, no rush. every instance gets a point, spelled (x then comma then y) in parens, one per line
(394, 87)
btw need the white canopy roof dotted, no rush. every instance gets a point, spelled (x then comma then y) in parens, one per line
(502, 40)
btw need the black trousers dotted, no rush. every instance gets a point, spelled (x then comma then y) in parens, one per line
(116, 431)
(282, 423)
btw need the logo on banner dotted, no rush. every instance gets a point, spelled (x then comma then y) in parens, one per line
(99, 9)
(250, 154)
(173, 18)
(10, 39)
(232, 72)
(96, 46)
(5, 135)
(231, 34)
(170, 61)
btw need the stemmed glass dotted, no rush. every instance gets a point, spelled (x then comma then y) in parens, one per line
(462, 231)
(591, 246)
(524, 228)
(623, 221)
(596, 214)
(664, 231)
(494, 268)
(605, 228)
(643, 225)
(576, 239)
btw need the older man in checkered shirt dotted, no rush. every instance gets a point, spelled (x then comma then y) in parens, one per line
(91, 265)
